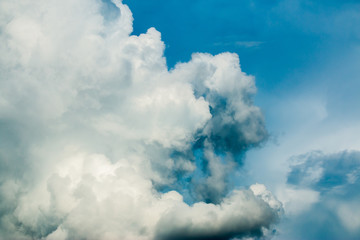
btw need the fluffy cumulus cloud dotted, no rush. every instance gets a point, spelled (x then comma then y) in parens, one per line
(94, 127)
(329, 184)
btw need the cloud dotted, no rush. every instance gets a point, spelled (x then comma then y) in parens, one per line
(235, 126)
(94, 126)
(224, 221)
(324, 172)
(334, 178)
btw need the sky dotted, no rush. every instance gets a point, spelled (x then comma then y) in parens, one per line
(167, 119)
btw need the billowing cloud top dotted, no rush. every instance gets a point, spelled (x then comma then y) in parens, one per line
(94, 127)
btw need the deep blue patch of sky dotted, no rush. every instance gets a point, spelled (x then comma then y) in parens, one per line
(276, 40)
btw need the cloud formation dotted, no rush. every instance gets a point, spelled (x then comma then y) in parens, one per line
(93, 124)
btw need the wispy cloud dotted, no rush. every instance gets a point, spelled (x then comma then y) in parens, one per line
(334, 178)
(245, 44)
(248, 44)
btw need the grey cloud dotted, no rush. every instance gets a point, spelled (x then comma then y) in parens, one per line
(236, 124)
(323, 172)
(223, 221)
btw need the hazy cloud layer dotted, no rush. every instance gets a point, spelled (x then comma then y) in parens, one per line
(331, 181)
(93, 124)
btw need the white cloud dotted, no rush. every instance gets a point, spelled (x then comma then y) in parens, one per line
(90, 118)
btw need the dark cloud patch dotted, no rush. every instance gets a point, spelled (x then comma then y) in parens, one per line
(228, 137)
(227, 132)
(184, 235)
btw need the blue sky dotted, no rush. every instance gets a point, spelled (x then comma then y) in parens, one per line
(274, 39)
